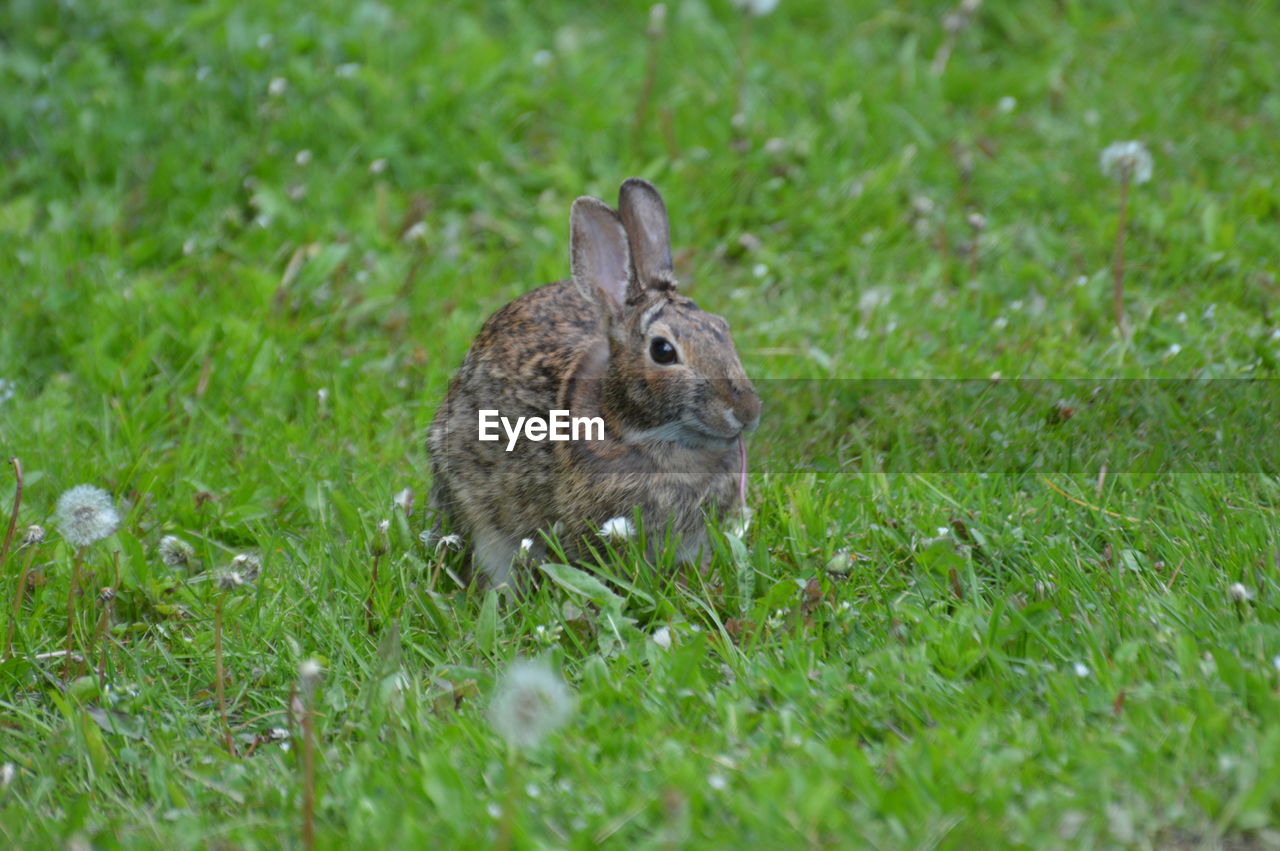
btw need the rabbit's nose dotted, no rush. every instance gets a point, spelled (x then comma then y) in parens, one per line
(746, 405)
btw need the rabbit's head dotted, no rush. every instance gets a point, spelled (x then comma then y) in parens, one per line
(673, 373)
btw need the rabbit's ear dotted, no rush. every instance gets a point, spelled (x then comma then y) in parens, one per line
(644, 217)
(598, 254)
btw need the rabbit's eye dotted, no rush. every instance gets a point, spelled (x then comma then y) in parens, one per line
(662, 351)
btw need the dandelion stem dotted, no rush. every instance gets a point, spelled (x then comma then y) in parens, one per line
(1117, 265)
(654, 33)
(368, 602)
(220, 675)
(308, 777)
(17, 601)
(507, 826)
(739, 122)
(17, 502)
(71, 609)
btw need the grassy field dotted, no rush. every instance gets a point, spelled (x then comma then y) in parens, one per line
(243, 246)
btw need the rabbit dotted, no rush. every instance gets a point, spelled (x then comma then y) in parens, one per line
(616, 341)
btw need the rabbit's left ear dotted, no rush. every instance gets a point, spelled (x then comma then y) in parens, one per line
(598, 255)
(644, 216)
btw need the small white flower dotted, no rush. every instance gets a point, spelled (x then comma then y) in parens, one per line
(176, 552)
(530, 702)
(662, 637)
(404, 500)
(740, 522)
(302, 157)
(543, 58)
(759, 8)
(450, 542)
(717, 782)
(1007, 104)
(378, 166)
(417, 231)
(1081, 669)
(85, 514)
(277, 86)
(1239, 593)
(526, 546)
(617, 529)
(309, 674)
(1126, 160)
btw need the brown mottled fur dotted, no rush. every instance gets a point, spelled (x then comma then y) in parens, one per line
(671, 431)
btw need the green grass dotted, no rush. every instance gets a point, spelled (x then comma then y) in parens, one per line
(911, 651)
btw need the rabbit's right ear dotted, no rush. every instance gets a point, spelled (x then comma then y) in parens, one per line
(598, 254)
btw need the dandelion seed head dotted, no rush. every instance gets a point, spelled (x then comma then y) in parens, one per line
(1081, 669)
(247, 565)
(1238, 593)
(657, 19)
(617, 529)
(759, 8)
(449, 542)
(530, 703)
(175, 552)
(417, 231)
(230, 580)
(1126, 160)
(717, 782)
(33, 535)
(404, 500)
(85, 514)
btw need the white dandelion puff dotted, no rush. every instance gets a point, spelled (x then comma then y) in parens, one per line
(85, 515)
(617, 529)
(175, 552)
(759, 8)
(1238, 593)
(1130, 161)
(230, 580)
(404, 500)
(530, 703)
(34, 535)
(248, 565)
(1081, 669)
